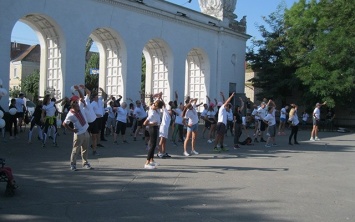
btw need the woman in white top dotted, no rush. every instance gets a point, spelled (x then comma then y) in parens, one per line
(293, 119)
(316, 119)
(271, 122)
(153, 121)
(121, 123)
(191, 122)
(164, 131)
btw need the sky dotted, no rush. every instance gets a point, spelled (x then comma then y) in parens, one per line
(253, 9)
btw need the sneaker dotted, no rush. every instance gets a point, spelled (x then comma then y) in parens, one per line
(167, 155)
(311, 139)
(72, 167)
(216, 149)
(289, 143)
(267, 145)
(236, 147)
(87, 166)
(99, 145)
(262, 140)
(125, 141)
(160, 155)
(225, 144)
(175, 144)
(149, 166)
(274, 144)
(186, 154)
(43, 145)
(224, 149)
(194, 152)
(316, 138)
(154, 163)
(268, 134)
(218, 146)
(297, 143)
(256, 140)
(209, 141)
(95, 153)
(103, 139)
(55, 144)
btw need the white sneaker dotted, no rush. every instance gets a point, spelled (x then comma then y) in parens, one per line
(218, 146)
(209, 141)
(311, 139)
(194, 152)
(149, 166)
(186, 154)
(316, 138)
(154, 163)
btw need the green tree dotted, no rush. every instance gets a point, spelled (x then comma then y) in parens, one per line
(267, 58)
(92, 80)
(321, 41)
(143, 73)
(30, 85)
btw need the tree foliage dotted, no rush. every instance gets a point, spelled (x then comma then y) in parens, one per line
(92, 80)
(30, 85)
(321, 42)
(267, 58)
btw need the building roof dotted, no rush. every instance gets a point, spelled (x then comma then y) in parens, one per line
(22, 52)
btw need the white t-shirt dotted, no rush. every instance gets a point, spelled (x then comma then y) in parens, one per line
(139, 112)
(77, 125)
(122, 114)
(316, 113)
(154, 116)
(283, 113)
(230, 115)
(96, 108)
(88, 110)
(255, 114)
(222, 115)
(19, 105)
(270, 118)
(305, 117)
(294, 119)
(191, 115)
(262, 113)
(178, 118)
(50, 109)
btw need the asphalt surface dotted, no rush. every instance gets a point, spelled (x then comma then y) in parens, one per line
(313, 181)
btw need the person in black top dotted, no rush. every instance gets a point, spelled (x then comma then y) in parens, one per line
(238, 121)
(36, 121)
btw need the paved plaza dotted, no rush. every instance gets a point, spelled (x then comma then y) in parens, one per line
(314, 181)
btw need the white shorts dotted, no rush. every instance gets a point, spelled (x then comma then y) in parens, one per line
(164, 131)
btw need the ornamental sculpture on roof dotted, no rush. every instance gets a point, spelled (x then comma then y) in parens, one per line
(224, 11)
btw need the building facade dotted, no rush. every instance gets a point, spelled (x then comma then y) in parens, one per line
(193, 53)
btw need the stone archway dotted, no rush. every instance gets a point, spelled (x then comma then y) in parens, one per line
(158, 57)
(112, 57)
(51, 55)
(197, 70)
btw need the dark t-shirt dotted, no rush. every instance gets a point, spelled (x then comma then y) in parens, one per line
(238, 117)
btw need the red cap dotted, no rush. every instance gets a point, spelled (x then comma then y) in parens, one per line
(74, 98)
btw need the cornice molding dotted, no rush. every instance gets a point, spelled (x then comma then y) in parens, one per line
(165, 15)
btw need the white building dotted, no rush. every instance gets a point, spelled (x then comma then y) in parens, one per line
(194, 53)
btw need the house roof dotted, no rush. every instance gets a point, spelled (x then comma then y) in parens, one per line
(30, 54)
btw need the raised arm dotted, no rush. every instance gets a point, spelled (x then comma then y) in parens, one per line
(241, 103)
(229, 99)
(223, 98)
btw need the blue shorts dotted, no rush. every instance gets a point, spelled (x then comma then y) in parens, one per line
(193, 128)
(283, 120)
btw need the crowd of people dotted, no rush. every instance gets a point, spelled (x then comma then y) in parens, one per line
(91, 117)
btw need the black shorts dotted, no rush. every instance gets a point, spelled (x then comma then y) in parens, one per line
(207, 124)
(141, 121)
(121, 128)
(20, 115)
(93, 127)
(262, 126)
(221, 129)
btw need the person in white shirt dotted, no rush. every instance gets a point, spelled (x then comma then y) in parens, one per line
(283, 113)
(204, 118)
(20, 107)
(270, 120)
(153, 121)
(121, 123)
(81, 137)
(49, 119)
(221, 127)
(293, 119)
(140, 115)
(191, 122)
(316, 119)
(179, 127)
(164, 131)
(111, 120)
